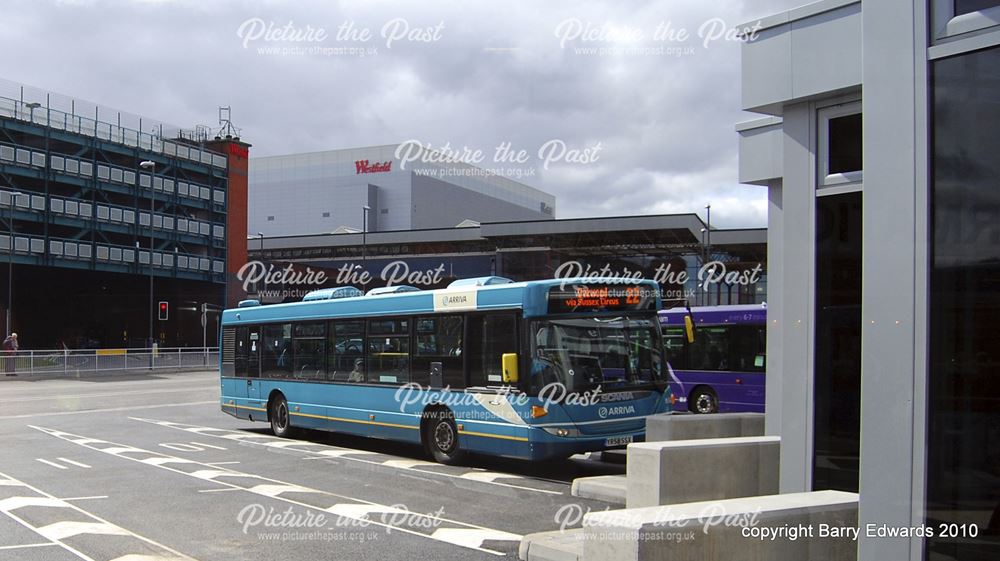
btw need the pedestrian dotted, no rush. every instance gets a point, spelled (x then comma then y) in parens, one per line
(10, 349)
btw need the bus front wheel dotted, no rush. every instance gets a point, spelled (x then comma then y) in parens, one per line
(441, 438)
(703, 400)
(281, 424)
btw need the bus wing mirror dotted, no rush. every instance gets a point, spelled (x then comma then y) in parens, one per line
(508, 363)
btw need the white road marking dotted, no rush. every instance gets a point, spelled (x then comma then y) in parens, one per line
(275, 490)
(407, 464)
(222, 463)
(75, 463)
(462, 539)
(27, 545)
(14, 503)
(213, 446)
(462, 536)
(58, 531)
(346, 453)
(85, 498)
(53, 464)
(220, 490)
(110, 410)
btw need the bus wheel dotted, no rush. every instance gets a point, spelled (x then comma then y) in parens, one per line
(703, 400)
(442, 438)
(281, 424)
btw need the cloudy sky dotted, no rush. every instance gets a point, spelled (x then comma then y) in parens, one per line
(643, 96)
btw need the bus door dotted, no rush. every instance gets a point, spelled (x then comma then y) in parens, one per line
(253, 364)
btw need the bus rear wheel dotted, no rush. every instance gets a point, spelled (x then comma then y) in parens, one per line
(441, 438)
(281, 421)
(703, 400)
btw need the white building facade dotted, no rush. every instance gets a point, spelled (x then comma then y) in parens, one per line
(322, 192)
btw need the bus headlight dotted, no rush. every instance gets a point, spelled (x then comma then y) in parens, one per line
(562, 432)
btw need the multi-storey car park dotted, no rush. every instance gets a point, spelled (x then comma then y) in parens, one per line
(107, 222)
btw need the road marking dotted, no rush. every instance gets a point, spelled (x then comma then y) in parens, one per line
(116, 394)
(275, 489)
(223, 489)
(485, 477)
(47, 544)
(222, 463)
(75, 463)
(213, 446)
(58, 531)
(110, 410)
(85, 498)
(14, 503)
(53, 464)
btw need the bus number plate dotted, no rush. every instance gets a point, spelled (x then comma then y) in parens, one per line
(618, 440)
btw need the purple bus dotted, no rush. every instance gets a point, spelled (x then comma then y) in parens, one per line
(723, 368)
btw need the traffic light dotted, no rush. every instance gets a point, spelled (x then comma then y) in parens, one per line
(163, 311)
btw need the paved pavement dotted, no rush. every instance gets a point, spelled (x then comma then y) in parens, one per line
(148, 469)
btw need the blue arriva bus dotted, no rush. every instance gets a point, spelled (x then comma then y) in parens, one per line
(722, 369)
(531, 370)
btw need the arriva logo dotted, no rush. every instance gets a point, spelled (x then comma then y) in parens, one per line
(605, 412)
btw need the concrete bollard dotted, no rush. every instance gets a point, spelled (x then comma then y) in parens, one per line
(666, 427)
(660, 473)
(729, 529)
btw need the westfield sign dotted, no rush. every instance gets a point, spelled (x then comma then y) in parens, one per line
(363, 166)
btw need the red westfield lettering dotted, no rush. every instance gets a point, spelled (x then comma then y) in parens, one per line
(363, 166)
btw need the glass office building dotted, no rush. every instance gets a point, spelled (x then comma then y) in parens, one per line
(879, 153)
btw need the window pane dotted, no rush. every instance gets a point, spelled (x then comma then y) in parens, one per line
(674, 341)
(310, 357)
(310, 330)
(438, 339)
(845, 144)
(346, 350)
(277, 346)
(837, 359)
(388, 352)
(710, 348)
(963, 426)
(500, 336)
(966, 6)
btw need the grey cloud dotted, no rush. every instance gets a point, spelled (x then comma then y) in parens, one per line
(665, 123)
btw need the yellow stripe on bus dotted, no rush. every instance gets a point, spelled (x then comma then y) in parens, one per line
(355, 421)
(505, 437)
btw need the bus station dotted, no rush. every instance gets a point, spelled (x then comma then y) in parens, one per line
(317, 339)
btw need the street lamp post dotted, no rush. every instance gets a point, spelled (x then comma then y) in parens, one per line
(10, 261)
(260, 295)
(364, 242)
(708, 242)
(151, 166)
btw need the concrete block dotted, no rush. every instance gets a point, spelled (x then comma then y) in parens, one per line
(552, 546)
(607, 488)
(728, 529)
(683, 471)
(660, 428)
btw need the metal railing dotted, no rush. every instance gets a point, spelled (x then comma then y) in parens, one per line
(78, 362)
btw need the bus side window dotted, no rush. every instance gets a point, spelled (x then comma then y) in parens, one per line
(276, 360)
(346, 348)
(747, 351)
(438, 339)
(388, 351)
(309, 348)
(242, 344)
(710, 350)
(675, 347)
